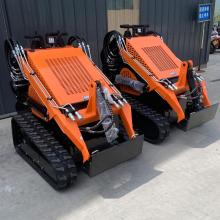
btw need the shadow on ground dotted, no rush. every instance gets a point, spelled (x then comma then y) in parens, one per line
(24, 194)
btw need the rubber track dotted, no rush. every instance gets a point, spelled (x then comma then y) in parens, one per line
(58, 160)
(139, 108)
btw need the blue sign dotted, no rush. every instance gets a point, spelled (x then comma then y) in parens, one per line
(204, 12)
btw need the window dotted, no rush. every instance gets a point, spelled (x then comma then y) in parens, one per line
(122, 12)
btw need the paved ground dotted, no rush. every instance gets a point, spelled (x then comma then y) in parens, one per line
(179, 179)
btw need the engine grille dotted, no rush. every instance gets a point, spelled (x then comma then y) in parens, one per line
(160, 58)
(137, 57)
(71, 74)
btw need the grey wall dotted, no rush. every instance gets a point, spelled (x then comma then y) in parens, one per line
(173, 18)
(18, 18)
(176, 20)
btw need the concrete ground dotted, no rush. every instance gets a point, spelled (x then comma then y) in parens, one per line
(177, 180)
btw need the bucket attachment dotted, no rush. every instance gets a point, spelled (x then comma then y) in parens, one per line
(200, 117)
(112, 156)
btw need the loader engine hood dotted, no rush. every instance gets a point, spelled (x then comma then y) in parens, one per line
(153, 53)
(65, 72)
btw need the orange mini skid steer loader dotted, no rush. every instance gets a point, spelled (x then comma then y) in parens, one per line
(69, 113)
(155, 82)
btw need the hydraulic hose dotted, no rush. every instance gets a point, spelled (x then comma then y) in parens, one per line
(77, 41)
(194, 90)
(93, 129)
(110, 57)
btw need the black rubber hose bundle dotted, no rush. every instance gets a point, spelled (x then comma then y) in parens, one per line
(93, 129)
(110, 57)
(77, 41)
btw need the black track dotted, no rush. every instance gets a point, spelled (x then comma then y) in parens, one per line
(154, 126)
(42, 151)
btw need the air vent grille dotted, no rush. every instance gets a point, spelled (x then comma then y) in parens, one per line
(160, 58)
(70, 73)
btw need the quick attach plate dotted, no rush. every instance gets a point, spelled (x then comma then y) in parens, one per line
(200, 117)
(112, 156)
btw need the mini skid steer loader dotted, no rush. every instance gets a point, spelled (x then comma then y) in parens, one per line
(70, 115)
(159, 87)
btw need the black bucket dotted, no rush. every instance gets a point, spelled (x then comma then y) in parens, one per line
(110, 157)
(200, 117)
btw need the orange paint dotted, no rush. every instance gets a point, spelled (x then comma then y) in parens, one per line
(149, 56)
(69, 76)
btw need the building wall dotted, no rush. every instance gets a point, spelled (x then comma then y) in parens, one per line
(176, 20)
(91, 19)
(122, 12)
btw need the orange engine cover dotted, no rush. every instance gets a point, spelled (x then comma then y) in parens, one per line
(63, 73)
(155, 55)
(62, 76)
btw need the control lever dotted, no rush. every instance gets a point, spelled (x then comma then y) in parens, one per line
(37, 41)
(56, 39)
(137, 30)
